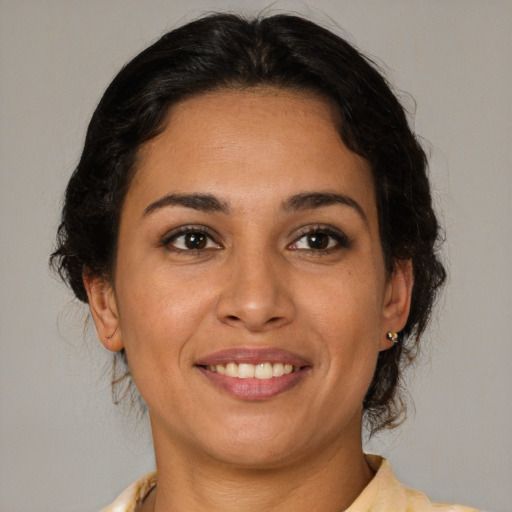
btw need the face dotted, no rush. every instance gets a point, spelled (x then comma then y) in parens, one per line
(249, 245)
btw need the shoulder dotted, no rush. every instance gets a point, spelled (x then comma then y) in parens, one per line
(417, 501)
(135, 493)
(385, 493)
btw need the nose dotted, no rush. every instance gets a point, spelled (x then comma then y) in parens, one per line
(256, 294)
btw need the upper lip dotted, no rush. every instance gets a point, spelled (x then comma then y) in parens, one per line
(253, 356)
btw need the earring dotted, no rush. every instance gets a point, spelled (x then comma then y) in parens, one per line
(393, 337)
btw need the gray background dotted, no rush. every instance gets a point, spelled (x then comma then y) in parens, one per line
(63, 445)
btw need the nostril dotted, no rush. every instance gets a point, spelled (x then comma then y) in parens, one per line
(254, 310)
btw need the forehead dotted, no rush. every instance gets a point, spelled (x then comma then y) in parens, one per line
(236, 143)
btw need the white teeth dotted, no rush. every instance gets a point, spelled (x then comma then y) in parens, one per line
(232, 370)
(245, 371)
(278, 370)
(250, 371)
(263, 371)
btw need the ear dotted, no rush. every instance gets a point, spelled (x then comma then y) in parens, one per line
(102, 303)
(397, 301)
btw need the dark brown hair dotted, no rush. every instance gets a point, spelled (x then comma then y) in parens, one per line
(230, 51)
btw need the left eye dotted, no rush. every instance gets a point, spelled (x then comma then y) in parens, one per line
(191, 241)
(319, 241)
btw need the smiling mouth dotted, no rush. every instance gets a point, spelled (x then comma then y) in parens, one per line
(260, 371)
(254, 374)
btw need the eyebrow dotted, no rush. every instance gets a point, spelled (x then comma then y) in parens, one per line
(312, 200)
(211, 203)
(201, 202)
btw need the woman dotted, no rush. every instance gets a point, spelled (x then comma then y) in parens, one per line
(251, 226)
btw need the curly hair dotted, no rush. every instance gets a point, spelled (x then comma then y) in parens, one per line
(227, 51)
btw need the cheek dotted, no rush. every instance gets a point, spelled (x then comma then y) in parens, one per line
(346, 305)
(158, 315)
(346, 315)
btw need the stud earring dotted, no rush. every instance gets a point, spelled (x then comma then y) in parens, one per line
(393, 337)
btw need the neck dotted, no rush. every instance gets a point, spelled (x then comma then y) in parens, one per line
(329, 480)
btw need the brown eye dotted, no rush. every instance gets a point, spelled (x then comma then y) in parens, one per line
(318, 240)
(190, 239)
(195, 241)
(321, 239)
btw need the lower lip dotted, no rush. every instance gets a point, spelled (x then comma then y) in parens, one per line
(254, 389)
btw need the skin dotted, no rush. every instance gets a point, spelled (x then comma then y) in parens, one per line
(257, 283)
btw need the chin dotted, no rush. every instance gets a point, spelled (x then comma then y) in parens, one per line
(259, 444)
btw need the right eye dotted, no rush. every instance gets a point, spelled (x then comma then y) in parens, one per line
(190, 239)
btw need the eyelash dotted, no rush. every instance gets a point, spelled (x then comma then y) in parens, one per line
(341, 240)
(185, 230)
